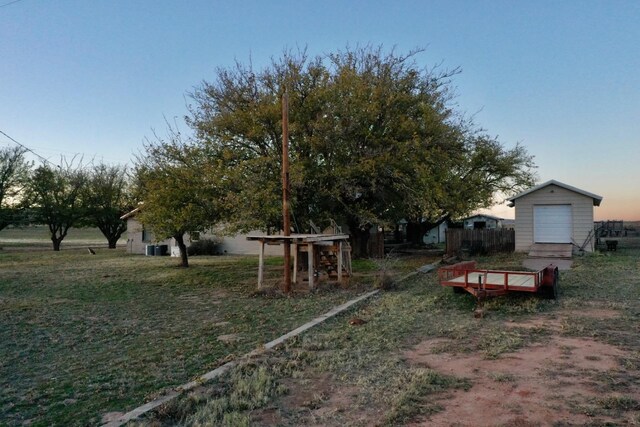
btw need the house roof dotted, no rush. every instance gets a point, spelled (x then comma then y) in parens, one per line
(133, 212)
(483, 216)
(596, 199)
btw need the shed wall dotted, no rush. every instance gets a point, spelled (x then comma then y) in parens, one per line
(581, 209)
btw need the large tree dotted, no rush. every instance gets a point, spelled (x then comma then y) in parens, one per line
(107, 197)
(180, 186)
(54, 195)
(374, 139)
(14, 174)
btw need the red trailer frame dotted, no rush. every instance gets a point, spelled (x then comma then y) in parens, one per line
(465, 276)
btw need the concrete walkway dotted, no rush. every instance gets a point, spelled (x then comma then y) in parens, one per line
(540, 263)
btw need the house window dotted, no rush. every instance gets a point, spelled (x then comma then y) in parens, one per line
(146, 236)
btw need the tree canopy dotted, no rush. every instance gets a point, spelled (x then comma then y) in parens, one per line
(14, 174)
(181, 189)
(107, 197)
(55, 198)
(374, 139)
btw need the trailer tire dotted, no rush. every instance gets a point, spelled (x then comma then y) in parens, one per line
(458, 290)
(551, 292)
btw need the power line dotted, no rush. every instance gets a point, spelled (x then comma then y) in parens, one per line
(62, 153)
(29, 149)
(10, 3)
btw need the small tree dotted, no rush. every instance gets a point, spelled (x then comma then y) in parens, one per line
(14, 174)
(180, 187)
(55, 197)
(107, 198)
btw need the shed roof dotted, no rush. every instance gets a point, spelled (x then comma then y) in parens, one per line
(596, 199)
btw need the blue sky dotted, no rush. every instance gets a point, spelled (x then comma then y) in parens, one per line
(562, 78)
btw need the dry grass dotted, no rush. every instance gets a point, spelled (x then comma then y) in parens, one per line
(364, 366)
(83, 335)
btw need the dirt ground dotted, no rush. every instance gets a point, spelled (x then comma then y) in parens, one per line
(558, 382)
(544, 384)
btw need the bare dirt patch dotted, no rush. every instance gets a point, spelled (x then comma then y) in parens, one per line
(558, 323)
(318, 401)
(542, 384)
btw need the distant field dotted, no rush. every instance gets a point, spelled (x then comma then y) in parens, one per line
(38, 236)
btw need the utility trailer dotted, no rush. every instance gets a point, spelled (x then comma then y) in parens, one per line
(465, 276)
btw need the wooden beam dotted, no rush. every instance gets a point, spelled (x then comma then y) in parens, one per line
(310, 264)
(261, 266)
(286, 224)
(339, 255)
(295, 263)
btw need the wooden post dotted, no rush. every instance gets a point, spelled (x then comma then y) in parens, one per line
(340, 262)
(285, 192)
(310, 263)
(295, 263)
(261, 266)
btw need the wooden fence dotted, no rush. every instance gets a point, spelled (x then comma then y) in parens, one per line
(480, 241)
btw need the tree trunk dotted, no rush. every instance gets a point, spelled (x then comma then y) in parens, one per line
(56, 243)
(112, 242)
(183, 250)
(360, 238)
(416, 231)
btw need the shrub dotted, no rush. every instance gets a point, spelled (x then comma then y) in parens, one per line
(205, 247)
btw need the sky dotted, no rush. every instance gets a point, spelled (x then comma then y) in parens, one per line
(95, 78)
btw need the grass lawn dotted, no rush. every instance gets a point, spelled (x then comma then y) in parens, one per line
(422, 357)
(84, 335)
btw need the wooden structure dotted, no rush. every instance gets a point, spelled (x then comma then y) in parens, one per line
(479, 241)
(465, 276)
(328, 253)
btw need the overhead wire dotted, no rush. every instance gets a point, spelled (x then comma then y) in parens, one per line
(45, 160)
(10, 3)
(62, 152)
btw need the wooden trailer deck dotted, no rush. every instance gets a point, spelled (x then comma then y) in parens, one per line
(513, 279)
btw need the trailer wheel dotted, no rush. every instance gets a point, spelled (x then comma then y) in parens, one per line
(551, 292)
(458, 290)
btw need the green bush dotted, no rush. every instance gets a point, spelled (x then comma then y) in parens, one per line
(205, 247)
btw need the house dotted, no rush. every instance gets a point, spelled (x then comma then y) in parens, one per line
(138, 238)
(482, 221)
(437, 234)
(554, 213)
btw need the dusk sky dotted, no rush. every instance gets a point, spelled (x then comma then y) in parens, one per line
(560, 77)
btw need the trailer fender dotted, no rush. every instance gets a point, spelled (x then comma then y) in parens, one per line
(550, 275)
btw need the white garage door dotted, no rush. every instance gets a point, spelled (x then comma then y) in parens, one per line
(552, 224)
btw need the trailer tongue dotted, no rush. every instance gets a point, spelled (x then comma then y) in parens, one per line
(464, 276)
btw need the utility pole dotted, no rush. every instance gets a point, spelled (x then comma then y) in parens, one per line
(286, 223)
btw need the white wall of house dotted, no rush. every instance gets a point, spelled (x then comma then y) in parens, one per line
(553, 201)
(138, 239)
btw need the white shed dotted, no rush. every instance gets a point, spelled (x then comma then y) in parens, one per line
(554, 213)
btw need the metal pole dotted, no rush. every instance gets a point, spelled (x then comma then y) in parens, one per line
(286, 224)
